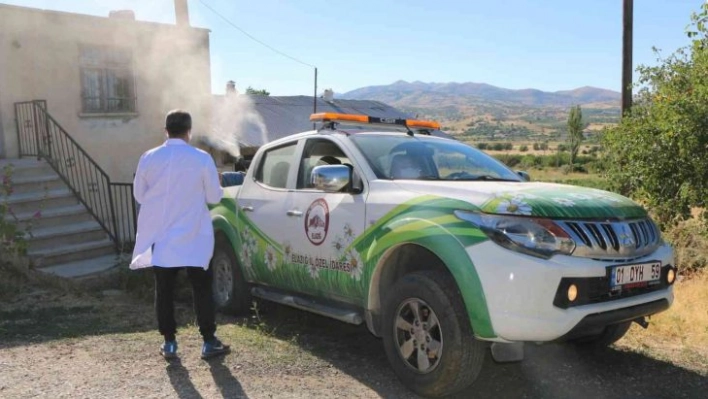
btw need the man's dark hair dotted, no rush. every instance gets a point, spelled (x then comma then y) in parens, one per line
(178, 123)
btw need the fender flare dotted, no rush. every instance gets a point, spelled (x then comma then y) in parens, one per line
(448, 248)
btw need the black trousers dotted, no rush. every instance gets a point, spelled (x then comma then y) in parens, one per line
(202, 296)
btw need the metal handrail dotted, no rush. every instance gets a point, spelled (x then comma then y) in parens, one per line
(111, 204)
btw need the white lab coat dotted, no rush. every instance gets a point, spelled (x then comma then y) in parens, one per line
(173, 184)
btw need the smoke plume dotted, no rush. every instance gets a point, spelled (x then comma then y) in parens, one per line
(236, 123)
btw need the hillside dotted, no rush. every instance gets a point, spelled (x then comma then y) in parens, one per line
(480, 109)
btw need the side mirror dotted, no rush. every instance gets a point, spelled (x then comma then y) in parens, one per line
(334, 178)
(524, 175)
(230, 179)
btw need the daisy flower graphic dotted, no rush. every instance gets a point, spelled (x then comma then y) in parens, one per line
(356, 266)
(563, 201)
(514, 206)
(288, 250)
(270, 258)
(247, 257)
(610, 198)
(314, 271)
(338, 245)
(525, 196)
(579, 196)
(348, 231)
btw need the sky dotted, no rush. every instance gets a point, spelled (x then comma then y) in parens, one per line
(543, 44)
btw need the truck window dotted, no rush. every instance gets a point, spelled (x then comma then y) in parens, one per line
(275, 166)
(318, 152)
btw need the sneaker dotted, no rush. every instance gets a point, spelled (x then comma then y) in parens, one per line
(214, 347)
(168, 350)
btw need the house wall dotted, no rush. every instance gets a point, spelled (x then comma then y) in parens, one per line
(40, 56)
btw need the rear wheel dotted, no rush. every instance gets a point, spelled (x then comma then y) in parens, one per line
(230, 290)
(427, 335)
(607, 337)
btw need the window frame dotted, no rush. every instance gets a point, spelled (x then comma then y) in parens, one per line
(104, 66)
(258, 173)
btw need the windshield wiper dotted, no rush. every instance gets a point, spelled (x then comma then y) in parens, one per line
(487, 178)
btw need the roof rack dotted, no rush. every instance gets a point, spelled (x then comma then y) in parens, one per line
(330, 119)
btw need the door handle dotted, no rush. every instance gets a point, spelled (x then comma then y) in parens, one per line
(293, 212)
(247, 208)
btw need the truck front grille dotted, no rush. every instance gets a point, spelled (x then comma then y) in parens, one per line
(602, 240)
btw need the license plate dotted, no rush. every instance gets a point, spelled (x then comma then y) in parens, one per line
(635, 274)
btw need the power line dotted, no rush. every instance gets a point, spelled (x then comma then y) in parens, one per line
(253, 38)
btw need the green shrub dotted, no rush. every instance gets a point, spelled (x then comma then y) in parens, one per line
(510, 160)
(656, 154)
(524, 148)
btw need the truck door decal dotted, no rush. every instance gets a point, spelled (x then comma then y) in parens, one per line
(317, 221)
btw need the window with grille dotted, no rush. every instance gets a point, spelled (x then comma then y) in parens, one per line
(107, 80)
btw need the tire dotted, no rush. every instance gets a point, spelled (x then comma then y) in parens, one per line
(607, 337)
(230, 290)
(454, 357)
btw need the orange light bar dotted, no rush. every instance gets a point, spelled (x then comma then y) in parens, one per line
(335, 117)
(331, 116)
(423, 124)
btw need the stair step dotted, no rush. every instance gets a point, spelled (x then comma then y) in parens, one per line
(83, 268)
(39, 184)
(51, 217)
(69, 253)
(32, 202)
(67, 234)
(26, 167)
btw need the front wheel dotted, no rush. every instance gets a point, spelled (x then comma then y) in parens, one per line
(230, 290)
(427, 335)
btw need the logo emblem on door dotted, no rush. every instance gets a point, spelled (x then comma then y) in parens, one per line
(317, 221)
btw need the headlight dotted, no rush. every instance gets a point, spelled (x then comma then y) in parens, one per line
(532, 236)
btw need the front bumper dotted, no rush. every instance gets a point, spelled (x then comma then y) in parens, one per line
(596, 323)
(520, 291)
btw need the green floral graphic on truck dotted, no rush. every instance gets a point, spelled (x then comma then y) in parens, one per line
(356, 255)
(564, 202)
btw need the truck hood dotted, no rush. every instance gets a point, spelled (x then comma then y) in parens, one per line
(549, 200)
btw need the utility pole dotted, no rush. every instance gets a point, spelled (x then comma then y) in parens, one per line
(314, 101)
(627, 27)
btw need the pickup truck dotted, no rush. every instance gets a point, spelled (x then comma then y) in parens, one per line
(438, 248)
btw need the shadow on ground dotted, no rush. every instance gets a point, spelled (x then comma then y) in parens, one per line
(41, 314)
(548, 371)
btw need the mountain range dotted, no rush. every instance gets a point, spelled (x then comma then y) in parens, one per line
(463, 92)
(482, 109)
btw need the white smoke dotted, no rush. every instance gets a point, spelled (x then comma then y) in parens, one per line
(235, 123)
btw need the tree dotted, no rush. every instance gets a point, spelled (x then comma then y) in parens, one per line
(656, 153)
(575, 132)
(261, 92)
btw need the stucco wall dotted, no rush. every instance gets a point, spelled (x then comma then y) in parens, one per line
(39, 53)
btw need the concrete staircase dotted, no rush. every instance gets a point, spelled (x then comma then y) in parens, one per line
(64, 239)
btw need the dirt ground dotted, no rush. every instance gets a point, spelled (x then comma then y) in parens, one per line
(103, 345)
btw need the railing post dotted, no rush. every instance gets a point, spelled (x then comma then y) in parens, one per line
(36, 129)
(119, 240)
(47, 133)
(135, 210)
(17, 127)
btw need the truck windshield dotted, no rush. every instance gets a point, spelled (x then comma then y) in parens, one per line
(428, 158)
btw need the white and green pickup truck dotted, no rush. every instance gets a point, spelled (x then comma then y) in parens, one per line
(438, 248)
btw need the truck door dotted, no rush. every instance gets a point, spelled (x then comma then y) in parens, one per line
(321, 228)
(263, 202)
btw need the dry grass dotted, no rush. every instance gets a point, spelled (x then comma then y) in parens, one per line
(16, 277)
(680, 333)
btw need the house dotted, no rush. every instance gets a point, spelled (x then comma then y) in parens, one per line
(81, 98)
(107, 81)
(247, 121)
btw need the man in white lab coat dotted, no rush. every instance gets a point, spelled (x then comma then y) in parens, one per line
(173, 185)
